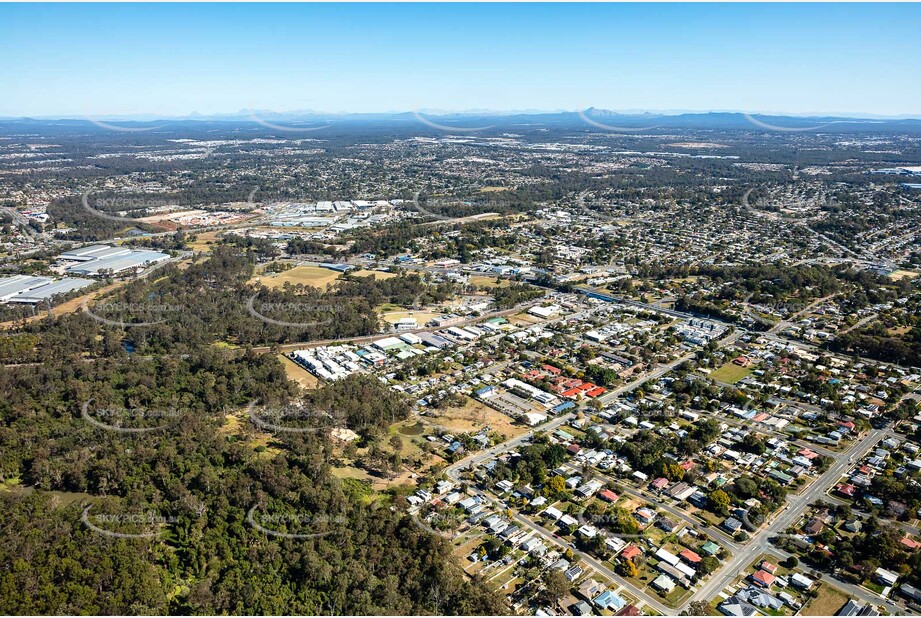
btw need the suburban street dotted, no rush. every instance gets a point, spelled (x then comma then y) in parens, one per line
(796, 505)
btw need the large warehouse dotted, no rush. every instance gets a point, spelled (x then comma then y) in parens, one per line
(29, 290)
(104, 259)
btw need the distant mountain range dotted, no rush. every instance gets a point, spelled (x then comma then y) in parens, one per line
(475, 119)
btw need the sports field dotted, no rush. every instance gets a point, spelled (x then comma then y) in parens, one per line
(304, 275)
(372, 273)
(730, 373)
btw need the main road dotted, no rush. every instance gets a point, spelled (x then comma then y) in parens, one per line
(471, 462)
(759, 542)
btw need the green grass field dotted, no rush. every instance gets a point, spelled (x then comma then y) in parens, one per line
(829, 601)
(307, 275)
(730, 373)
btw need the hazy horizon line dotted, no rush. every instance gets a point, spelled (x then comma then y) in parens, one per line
(254, 114)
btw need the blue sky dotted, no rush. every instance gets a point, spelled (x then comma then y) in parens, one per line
(169, 59)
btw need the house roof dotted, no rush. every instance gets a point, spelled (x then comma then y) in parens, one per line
(734, 606)
(764, 578)
(608, 495)
(663, 582)
(608, 599)
(631, 551)
(846, 489)
(814, 527)
(690, 556)
(710, 548)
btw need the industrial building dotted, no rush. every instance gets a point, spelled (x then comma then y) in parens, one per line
(25, 289)
(97, 260)
(11, 286)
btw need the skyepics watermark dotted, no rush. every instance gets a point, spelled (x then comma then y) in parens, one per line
(763, 124)
(281, 313)
(120, 128)
(295, 525)
(446, 127)
(131, 525)
(129, 420)
(129, 314)
(471, 217)
(295, 418)
(290, 127)
(124, 204)
(612, 128)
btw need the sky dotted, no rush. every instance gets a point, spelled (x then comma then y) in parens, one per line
(176, 59)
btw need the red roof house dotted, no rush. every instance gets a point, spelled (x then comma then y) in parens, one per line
(763, 579)
(690, 556)
(846, 489)
(608, 496)
(630, 552)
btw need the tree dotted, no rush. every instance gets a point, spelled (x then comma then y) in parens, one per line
(557, 485)
(674, 472)
(627, 568)
(708, 565)
(719, 501)
(745, 487)
(555, 586)
(752, 444)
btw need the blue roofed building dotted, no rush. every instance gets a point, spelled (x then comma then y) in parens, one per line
(608, 600)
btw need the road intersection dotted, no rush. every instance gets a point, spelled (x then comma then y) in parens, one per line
(759, 541)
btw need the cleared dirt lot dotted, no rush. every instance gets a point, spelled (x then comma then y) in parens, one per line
(901, 274)
(524, 320)
(372, 273)
(474, 415)
(422, 317)
(298, 374)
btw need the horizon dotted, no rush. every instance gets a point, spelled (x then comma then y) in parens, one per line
(168, 61)
(259, 115)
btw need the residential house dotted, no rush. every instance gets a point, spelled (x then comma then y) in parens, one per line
(886, 578)
(664, 583)
(609, 600)
(763, 579)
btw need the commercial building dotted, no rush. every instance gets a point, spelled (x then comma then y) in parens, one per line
(25, 289)
(97, 260)
(11, 286)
